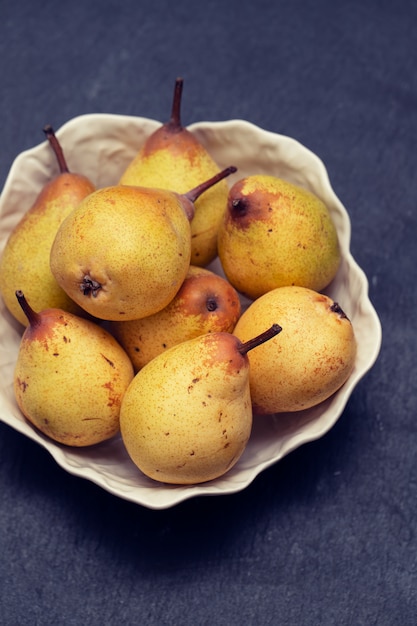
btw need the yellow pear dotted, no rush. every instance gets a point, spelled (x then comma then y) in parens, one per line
(186, 417)
(24, 263)
(70, 376)
(205, 302)
(313, 358)
(173, 158)
(275, 234)
(124, 252)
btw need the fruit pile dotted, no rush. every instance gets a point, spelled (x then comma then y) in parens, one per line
(125, 329)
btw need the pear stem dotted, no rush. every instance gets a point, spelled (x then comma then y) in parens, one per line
(33, 317)
(257, 341)
(175, 120)
(56, 147)
(195, 193)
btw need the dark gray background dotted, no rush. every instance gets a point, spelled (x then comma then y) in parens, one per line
(328, 535)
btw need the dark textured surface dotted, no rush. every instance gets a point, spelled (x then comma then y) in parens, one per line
(328, 535)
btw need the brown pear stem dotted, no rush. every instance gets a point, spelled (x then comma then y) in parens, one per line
(175, 120)
(195, 193)
(56, 147)
(33, 317)
(256, 341)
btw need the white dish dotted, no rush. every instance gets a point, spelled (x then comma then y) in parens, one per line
(100, 146)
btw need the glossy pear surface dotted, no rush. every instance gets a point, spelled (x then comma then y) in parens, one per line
(24, 263)
(275, 234)
(205, 303)
(186, 417)
(70, 377)
(173, 158)
(124, 252)
(309, 361)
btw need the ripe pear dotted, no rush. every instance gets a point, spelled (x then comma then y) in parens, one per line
(205, 302)
(25, 259)
(124, 252)
(275, 234)
(313, 358)
(173, 158)
(70, 376)
(186, 417)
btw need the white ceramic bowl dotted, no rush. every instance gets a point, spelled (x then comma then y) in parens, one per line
(100, 146)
